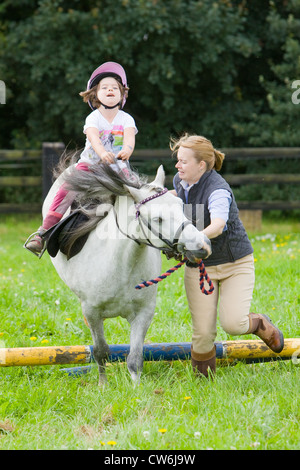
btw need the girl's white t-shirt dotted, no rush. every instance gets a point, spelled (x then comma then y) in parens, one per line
(111, 134)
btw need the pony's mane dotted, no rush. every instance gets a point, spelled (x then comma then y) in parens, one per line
(101, 181)
(101, 184)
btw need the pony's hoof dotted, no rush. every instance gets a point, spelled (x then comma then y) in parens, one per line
(135, 379)
(102, 381)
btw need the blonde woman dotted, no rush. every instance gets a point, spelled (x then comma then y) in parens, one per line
(213, 209)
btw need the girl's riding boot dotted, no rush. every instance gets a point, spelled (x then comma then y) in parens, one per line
(204, 364)
(36, 244)
(262, 326)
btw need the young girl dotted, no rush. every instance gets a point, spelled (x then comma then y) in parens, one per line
(231, 264)
(110, 137)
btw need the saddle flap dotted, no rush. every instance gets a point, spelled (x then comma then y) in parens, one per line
(58, 236)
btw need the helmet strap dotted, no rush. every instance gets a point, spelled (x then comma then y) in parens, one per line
(109, 107)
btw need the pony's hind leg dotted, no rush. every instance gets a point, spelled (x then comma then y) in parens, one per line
(100, 347)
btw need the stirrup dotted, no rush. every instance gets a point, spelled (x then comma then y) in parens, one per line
(39, 255)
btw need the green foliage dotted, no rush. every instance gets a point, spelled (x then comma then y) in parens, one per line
(276, 119)
(216, 68)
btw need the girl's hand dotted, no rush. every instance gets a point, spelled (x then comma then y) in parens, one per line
(125, 153)
(107, 157)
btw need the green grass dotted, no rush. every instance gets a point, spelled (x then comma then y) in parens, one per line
(246, 407)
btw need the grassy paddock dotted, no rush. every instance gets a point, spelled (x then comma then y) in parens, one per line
(246, 407)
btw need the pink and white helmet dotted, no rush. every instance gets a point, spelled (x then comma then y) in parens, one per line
(108, 69)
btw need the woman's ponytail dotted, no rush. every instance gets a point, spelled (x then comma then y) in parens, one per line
(219, 157)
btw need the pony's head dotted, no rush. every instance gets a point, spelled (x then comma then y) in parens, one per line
(156, 217)
(163, 224)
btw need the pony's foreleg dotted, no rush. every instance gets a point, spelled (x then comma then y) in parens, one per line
(139, 328)
(100, 347)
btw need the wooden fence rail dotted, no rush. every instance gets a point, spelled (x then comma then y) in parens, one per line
(146, 161)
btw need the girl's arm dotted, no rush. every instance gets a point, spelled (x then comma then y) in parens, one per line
(128, 143)
(93, 136)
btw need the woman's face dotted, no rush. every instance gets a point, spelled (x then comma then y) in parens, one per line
(189, 169)
(109, 92)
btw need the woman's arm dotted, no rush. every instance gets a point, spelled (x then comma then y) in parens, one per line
(218, 206)
(215, 228)
(172, 191)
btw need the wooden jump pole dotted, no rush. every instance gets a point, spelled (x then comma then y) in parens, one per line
(247, 350)
(45, 356)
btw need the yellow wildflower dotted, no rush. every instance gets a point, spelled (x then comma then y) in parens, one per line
(111, 443)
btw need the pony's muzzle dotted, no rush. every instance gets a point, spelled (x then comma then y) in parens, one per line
(198, 251)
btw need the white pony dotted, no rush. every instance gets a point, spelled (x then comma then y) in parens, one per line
(136, 221)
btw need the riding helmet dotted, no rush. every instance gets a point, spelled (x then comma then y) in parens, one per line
(108, 69)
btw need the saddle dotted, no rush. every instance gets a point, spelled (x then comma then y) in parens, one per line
(57, 237)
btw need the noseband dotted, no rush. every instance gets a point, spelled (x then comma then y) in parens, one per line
(142, 221)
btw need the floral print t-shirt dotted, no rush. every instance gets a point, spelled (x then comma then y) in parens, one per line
(111, 134)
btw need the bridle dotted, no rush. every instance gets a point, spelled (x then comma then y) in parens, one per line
(144, 222)
(171, 246)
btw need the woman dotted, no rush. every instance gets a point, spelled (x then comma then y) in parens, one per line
(231, 264)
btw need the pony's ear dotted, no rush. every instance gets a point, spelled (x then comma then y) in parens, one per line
(159, 181)
(135, 193)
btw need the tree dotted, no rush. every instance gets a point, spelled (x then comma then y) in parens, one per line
(191, 65)
(276, 121)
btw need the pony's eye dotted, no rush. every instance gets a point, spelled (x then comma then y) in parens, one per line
(158, 220)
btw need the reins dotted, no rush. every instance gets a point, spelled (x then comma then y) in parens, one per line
(202, 278)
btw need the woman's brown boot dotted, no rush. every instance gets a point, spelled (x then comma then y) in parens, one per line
(261, 325)
(204, 364)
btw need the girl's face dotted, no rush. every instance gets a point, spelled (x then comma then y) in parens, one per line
(109, 92)
(189, 169)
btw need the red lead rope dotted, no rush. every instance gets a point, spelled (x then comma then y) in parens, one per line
(202, 272)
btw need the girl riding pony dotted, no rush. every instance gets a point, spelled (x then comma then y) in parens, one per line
(110, 137)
